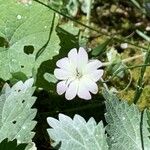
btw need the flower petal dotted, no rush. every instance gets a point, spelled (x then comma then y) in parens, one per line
(82, 58)
(73, 57)
(61, 74)
(96, 75)
(61, 87)
(63, 63)
(93, 65)
(90, 85)
(72, 90)
(83, 92)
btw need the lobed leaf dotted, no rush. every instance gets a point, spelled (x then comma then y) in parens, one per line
(16, 115)
(25, 30)
(127, 126)
(77, 134)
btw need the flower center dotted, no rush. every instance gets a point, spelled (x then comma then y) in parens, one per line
(78, 74)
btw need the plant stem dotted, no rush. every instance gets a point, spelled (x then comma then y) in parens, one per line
(121, 69)
(89, 16)
(141, 130)
(125, 60)
(105, 85)
(91, 28)
(140, 84)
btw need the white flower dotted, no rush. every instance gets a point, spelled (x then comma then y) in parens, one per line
(78, 75)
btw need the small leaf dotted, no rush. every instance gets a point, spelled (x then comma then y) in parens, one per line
(136, 3)
(50, 78)
(116, 64)
(86, 5)
(147, 7)
(115, 67)
(31, 146)
(11, 145)
(77, 134)
(18, 76)
(100, 48)
(73, 7)
(143, 35)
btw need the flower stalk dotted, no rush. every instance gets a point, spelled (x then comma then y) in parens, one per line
(140, 84)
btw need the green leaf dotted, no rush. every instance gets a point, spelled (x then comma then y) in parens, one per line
(77, 134)
(86, 5)
(69, 40)
(31, 146)
(16, 114)
(70, 28)
(147, 7)
(100, 48)
(115, 67)
(136, 3)
(143, 35)
(73, 7)
(11, 145)
(50, 78)
(116, 64)
(18, 76)
(127, 126)
(25, 30)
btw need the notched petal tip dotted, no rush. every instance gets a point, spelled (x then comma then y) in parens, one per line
(82, 53)
(83, 91)
(84, 96)
(72, 53)
(72, 89)
(73, 57)
(93, 65)
(98, 63)
(82, 58)
(62, 63)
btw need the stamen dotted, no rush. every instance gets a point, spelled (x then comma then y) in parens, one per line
(78, 74)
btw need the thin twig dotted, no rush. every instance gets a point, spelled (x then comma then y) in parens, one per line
(121, 69)
(125, 60)
(91, 28)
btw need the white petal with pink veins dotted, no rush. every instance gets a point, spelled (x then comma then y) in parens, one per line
(83, 91)
(61, 87)
(71, 91)
(61, 74)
